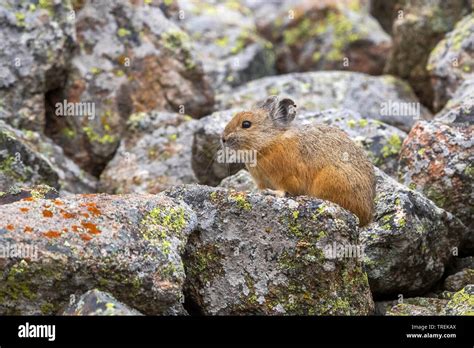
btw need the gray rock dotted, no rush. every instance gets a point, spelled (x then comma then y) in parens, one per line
(383, 98)
(382, 142)
(132, 59)
(128, 246)
(410, 241)
(417, 306)
(329, 35)
(257, 254)
(226, 41)
(154, 155)
(452, 61)
(460, 108)
(30, 158)
(459, 280)
(36, 43)
(419, 26)
(437, 160)
(240, 181)
(96, 302)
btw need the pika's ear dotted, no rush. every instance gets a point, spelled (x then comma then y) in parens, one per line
(281, 111)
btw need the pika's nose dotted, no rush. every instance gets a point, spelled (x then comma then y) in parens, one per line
(223, 139)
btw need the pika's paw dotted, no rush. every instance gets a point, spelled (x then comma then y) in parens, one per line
(276, 193)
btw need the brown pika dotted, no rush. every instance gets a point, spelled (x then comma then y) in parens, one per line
(314, 160)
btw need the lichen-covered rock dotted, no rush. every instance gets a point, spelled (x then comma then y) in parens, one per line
(328, 35)
(419, 306)
(462, 302)
(418, 27)
(460, 108)
(410, 241)
(385, 11)
(30, 158)
(129, 246)
(154, 155)
(240, 181)
(18, 192)
(383, 98)
(459, 280)
(381, 142)
(258, 254)
(131, 59)
(452, 61)
(437, 159)
(36, 42)
(226, 42)
(96, 302)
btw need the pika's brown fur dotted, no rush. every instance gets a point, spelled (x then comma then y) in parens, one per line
(314, 160)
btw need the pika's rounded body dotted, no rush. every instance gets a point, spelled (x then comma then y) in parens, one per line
(314, 160)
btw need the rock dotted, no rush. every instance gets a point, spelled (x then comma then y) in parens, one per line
(241, 181)
(258, 254)
(128, 246)
(452, 61)
(419, 306)
(460, 108)
(462, 302)
(226, 41)
(419, 26)
(410, 241)
(437, 160)
(383, 98)
(381, 141)
(460, 263)
(36, 42)
(154, 154)
(30, 158)
(328, 35)
(17, 193)
(459, 280)
(96, 302)
(385, 11)
(131, 59)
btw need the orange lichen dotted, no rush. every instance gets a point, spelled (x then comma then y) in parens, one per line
(28, 229)
(52, 234)
(10, 227)
(65, 230)
(24, 210)
(91, 228)
(86, 237)
(67, 215)
(75, 228)
(92, 208)
(47, 213)
(85, 215)
(28, 199)
(58, 202)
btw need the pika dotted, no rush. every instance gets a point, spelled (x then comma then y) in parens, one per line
(314, 160)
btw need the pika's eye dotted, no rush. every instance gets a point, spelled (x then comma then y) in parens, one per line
(246, 124)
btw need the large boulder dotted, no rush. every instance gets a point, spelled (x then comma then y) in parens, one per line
(418, 27)
(381, 142)
(131, 59)
(383, 98)
(452, 61)
(410, 241)
(258, 254)
(437, 159)
(327, 35)
(226, 41)
(29, 158)
(36, 43)
(154, 155)
(128, 246)
(96, 302)
(460, 108)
